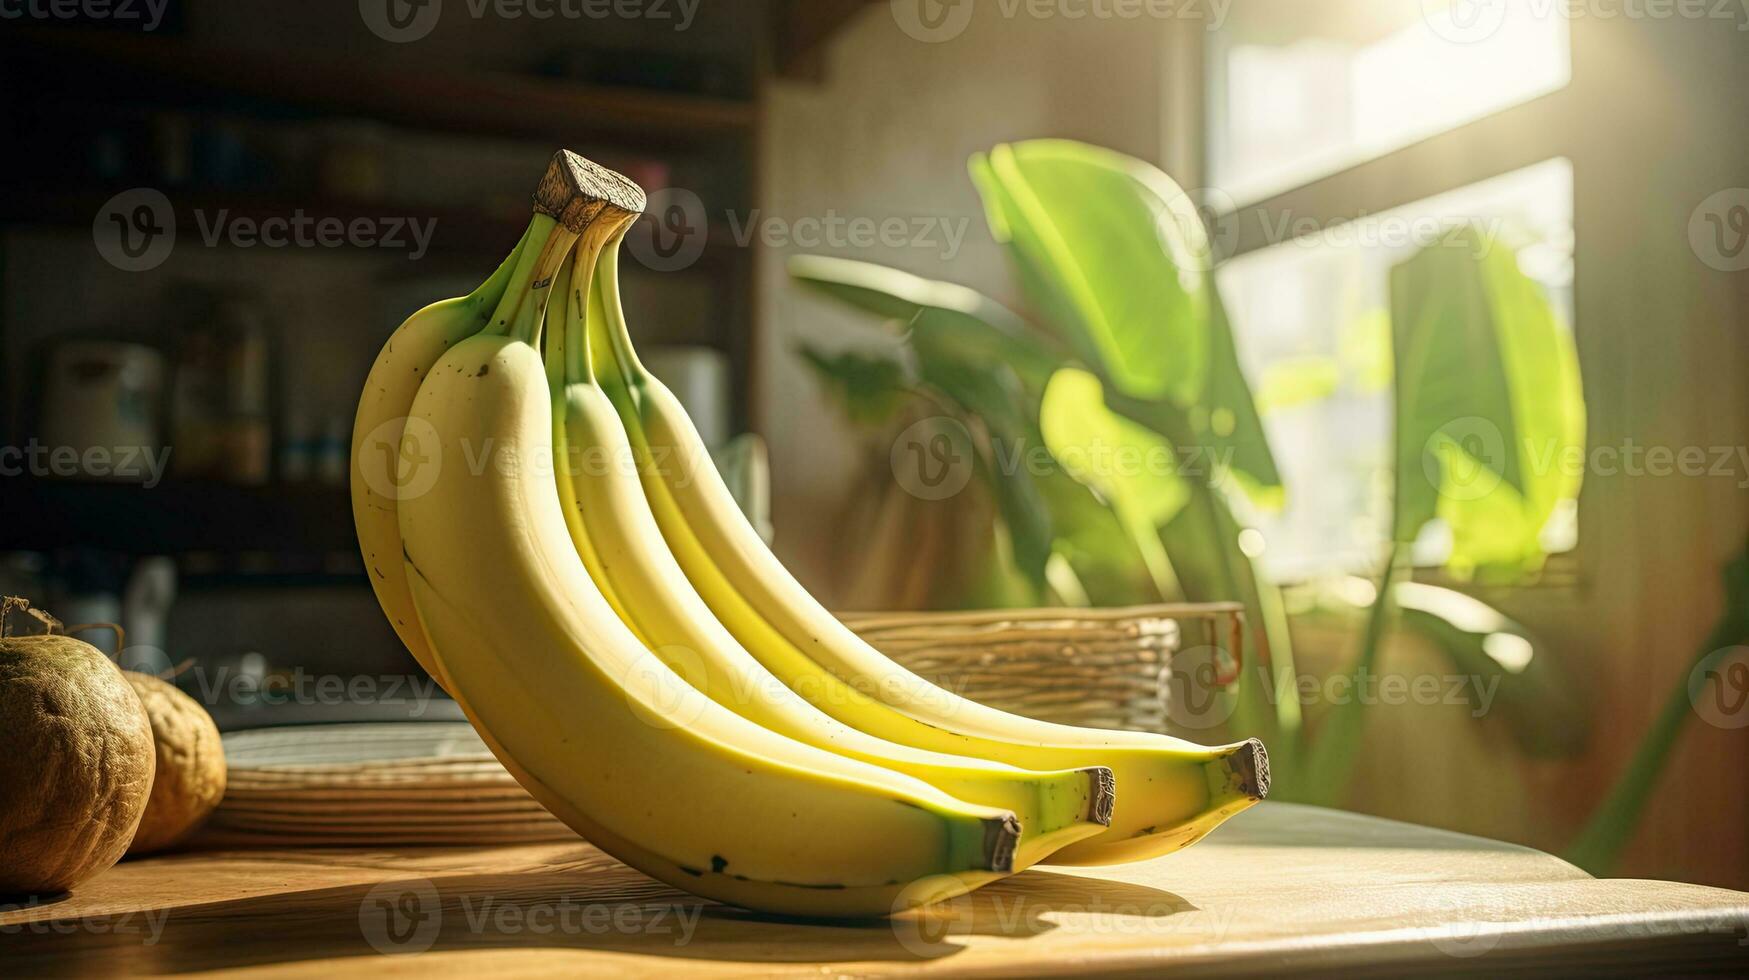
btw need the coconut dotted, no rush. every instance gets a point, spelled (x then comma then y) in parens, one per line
(190, 778)
(78, 765)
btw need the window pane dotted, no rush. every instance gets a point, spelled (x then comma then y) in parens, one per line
(1313, 328)
(1300, 90)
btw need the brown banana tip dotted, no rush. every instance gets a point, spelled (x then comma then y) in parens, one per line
(575, 191)
(1250, 762)
(1104, 795)
(1001, 836)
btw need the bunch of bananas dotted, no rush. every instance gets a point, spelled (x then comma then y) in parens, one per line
(556, 548)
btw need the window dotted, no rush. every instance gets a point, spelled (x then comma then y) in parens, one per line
(1298, 93)
(1301, 90)
(1314, 338)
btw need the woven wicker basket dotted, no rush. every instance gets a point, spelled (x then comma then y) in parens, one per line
(1101, 668)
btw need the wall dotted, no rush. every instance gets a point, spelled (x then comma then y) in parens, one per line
(1662, 338)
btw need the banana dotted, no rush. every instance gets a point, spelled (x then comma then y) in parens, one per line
(622, 548)
(1170, 792)
(598, 729)
(380, 474)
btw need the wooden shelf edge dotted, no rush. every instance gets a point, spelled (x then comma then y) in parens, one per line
(502, 103)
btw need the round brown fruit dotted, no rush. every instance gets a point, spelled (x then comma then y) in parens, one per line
(77, 766)
(190, 778)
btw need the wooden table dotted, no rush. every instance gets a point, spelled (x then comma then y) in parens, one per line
(1282, 889)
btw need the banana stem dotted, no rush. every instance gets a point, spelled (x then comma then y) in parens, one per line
(531, 315)
(574, 198)
(489, 293)
(614, 329)
(553, 354)
(540, 229)
(584, 307)
(567, 355)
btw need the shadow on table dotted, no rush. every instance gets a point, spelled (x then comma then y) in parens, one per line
(548, 910)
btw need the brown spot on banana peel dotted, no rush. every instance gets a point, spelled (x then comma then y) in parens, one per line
(718, 863)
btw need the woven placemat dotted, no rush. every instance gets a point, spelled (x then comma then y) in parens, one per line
(373, 784)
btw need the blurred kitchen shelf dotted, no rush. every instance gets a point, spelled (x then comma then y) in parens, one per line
(110, 68)
(214, 581)
(75, 75)
(177, 518)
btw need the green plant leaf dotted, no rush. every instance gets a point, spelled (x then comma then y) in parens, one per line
(1114, 256)
(974, 325)
(1132, 467)
(1122, 249)
(994, 395)
(868, 387)
(1101, 553)
(1488, 404)
(958, 335)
